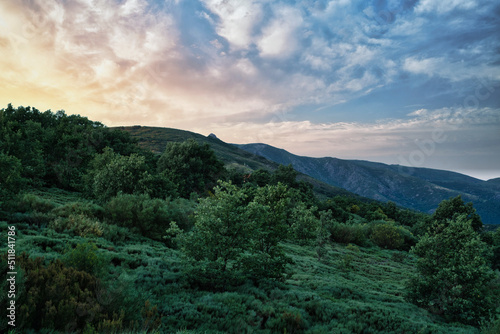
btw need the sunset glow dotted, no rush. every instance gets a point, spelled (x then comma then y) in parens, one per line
(371, 80)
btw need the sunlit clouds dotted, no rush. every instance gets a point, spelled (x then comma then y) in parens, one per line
(351, 79)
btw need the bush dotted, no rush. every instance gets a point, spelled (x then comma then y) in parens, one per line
(348, 233)
(79, 224)
(84, 257)
(57, 297)
(387, 235)
(31, 202)
(88, 209)
(305, 225)
(150, 216)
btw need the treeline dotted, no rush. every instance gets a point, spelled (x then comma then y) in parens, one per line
(230, 225)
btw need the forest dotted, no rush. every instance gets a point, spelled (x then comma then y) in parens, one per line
(110, 236)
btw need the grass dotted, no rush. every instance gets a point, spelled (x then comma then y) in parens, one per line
(351, 290)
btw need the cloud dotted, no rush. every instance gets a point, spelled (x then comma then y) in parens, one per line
(460, 132)
(444, 6)
(212, 63)
(236, 20)
(279, 36)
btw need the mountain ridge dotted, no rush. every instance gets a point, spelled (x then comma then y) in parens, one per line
(412, 187)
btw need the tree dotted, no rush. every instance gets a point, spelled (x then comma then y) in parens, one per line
(235, 237)
(450, 209)
(220, 235)
(10, 176)
(285, 175)
(454, 279)
(193, 167)
(111, 173)
(266, 257)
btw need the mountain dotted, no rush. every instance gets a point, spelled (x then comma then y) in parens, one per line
(416, 188)
(156, 138)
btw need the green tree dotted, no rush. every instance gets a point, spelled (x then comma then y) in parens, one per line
(450, 209)
(286, 175)
(272, 208)
(10, 176)
(191, 166)
(454, 279)
(111, 173)
(234, 237)
(220, 235)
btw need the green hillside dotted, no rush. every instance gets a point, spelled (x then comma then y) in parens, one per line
(104, 235)
(156, 138)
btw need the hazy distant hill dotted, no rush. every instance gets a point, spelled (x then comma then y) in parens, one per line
(417, 188)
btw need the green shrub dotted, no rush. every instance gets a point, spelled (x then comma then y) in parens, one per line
(79, 224)
(84, 257)
(57, 297)
(347, 233)
(305, 225)
(492, 327)
(150, 216)
(387, 235)
(31, 202)
(88, 209)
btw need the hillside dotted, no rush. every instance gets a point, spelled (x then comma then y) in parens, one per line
(416, 188)
(124, 240)
(156, 138)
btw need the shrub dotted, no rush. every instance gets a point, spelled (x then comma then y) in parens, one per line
(151, 217)
(79, 224)
(387, 235)
(57, 297)
(88, 209)
(84, 257)
(347, 233)
(305, 225)
(31, 202)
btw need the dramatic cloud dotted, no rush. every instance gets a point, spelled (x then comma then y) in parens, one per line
(367, 78)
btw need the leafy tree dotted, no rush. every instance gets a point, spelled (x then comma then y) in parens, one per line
(111, 173)
(193, 167)
(10, 176)
(235, 237)
(454, 279)
(450, 209)
(305, 225)
(388, 235)
(221, 233)
(286, 175)
(267, 258)
(55, 149)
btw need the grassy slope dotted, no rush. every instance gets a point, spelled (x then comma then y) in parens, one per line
(352, 290)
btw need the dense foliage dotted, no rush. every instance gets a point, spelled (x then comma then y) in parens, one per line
(454, 279)
(179, 242)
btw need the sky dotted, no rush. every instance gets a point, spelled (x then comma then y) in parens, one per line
(407, 82)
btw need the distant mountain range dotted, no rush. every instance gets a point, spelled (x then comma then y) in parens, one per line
(416, 188)
(420, 189)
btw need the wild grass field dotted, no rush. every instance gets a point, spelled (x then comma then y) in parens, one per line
(352, 289)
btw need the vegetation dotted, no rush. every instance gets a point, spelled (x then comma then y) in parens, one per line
(124, 240)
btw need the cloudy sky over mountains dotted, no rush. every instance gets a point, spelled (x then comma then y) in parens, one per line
(409, 82)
